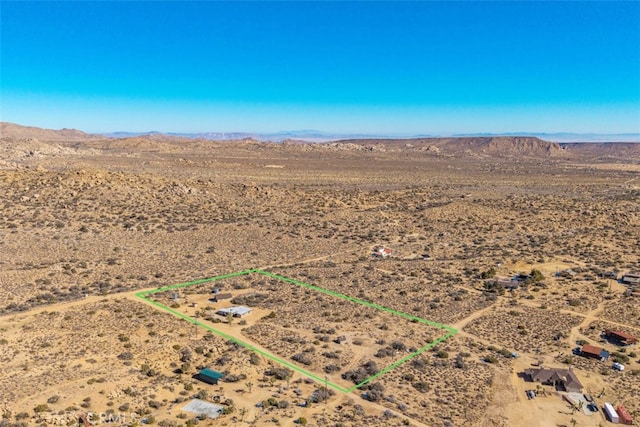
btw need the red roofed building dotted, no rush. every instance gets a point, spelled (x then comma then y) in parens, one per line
(621, 337)
(594, 352)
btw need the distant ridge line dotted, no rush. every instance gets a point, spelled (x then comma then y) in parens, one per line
(14, 130)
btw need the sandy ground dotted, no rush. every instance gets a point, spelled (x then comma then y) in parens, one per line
(111, 221)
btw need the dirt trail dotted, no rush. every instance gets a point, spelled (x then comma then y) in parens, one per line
(305, 261)
(574, 334)
(65, 305)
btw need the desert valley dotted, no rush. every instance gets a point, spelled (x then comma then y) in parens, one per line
(421, 282)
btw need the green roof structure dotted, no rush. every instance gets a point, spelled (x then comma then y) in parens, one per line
(209, 376)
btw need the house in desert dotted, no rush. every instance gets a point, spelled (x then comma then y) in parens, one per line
(632, 279)
(620, 337)
(561, 379)
(593, 352)
(235, 311)
(209, 376)
(382, 252)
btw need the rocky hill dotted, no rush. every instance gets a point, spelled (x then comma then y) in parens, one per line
(474, 146)
(18, 132)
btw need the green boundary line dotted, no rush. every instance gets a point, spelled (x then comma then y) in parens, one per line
(450, 331)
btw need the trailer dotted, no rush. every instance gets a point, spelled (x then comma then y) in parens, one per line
(611, 413)
(625, 417)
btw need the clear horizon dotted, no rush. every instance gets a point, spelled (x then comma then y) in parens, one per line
(339, 67)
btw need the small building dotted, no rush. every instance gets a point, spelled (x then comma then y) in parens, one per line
(620, 337)
(219, 297)
(235, 311)
(611, 413)
(593, 352)
(563, 379)
(203, 408)
(625, 417)
(381, 252)
(632, 279)
(209, 376)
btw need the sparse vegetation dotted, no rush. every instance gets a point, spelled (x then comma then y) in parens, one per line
(68, 244)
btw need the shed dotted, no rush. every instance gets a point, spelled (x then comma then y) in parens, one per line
(219, 297)
(621, 337)
(611, 413)
(236, 311)
(209, 376)
(625, 417)
(594, 352)
(631, 279)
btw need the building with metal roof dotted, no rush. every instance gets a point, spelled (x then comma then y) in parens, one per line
(236, 311)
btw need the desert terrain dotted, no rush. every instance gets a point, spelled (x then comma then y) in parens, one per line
(86, 222)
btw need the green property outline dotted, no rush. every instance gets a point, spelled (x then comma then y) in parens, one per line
(450, 330)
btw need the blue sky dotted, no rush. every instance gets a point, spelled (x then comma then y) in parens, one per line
(350, 67)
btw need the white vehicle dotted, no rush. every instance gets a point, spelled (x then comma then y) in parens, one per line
(618, 366)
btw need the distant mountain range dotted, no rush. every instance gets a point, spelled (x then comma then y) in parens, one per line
(17, 131)
(320, 136)
(298, 135)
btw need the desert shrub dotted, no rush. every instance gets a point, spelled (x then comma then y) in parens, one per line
(397, 345)
(283, 404)
(619, 357)
(41, 408)
(419, 363)
(331, 355)
(280, 373)
(125, 356)
(460, 363)
(302, 358)
(442, 354)
(490, 359)
(487, 274)
(186, 355)
(272, 401)
(254, 359)
(147, 370)
(421, 386)
(385, 352)
(331, 368)
(233, 378)
(375, 393)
